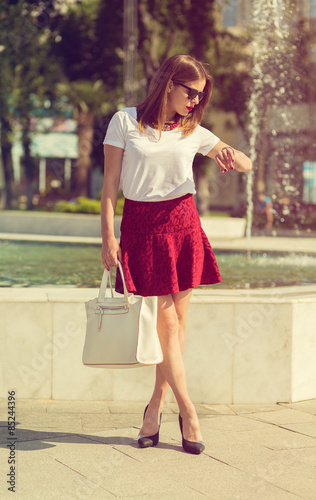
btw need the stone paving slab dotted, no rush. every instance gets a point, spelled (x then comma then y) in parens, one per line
(304, 455)
(276, 438)
(233, 423)
(305, 406)
(283, 416)
(81, 450)
(254, 409)
(75, 407)
(297, 477)
(216, 409)
(306, 429)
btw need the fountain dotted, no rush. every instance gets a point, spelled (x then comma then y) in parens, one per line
(271, 107)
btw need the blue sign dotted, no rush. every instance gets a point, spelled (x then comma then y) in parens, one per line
(309, 182)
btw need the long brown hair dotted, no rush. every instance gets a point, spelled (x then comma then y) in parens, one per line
(181, 69)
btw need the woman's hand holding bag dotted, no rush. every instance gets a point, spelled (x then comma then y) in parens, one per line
(121, 330)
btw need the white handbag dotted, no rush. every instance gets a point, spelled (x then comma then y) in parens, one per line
(121, 330)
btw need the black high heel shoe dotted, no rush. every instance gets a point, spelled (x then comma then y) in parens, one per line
(195, 447)
(147, 441)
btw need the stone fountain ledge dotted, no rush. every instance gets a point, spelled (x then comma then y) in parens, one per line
(243, 347)
(44, 223)
(256, 243)
(224, 233)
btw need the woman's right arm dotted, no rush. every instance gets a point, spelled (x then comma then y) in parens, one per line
(112, 171)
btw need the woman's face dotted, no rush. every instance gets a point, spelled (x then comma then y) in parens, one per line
(178, 99)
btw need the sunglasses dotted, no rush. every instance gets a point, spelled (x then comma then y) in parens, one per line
(192, 92)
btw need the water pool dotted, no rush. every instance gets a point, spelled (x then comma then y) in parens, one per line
(29, 264)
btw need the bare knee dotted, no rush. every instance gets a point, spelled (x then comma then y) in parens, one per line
(181, 302)
(168, 325)
(182, 321)
(168, 321)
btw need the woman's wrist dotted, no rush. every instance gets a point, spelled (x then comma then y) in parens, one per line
(228, 147)
(242, 162)
(107, 238)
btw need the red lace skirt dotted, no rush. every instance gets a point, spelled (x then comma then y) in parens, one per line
(164, 248)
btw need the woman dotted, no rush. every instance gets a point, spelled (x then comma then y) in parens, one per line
(149, 152)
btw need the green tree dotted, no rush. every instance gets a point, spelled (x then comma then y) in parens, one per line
(87, 100)
(89, 51)
(5, 126)
(28, 30)
(168, 27)
(89, 45)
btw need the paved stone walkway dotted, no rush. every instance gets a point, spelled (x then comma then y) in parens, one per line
(68, 450)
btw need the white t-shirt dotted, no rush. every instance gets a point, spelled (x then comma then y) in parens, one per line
(152, 169)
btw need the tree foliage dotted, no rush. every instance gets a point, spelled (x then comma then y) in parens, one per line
(89, 44)
(29, 71)
(52, 49)
(167, 27)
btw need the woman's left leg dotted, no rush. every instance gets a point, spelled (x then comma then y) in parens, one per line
(150, 423)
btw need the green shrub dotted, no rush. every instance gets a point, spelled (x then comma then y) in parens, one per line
(82, 205)
(120, 205)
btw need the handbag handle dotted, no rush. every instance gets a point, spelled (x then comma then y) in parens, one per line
(107, 276)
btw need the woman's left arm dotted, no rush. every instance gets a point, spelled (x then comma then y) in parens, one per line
(228, 158)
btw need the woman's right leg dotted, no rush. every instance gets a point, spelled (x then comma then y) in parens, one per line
(150, 423)
(171, 371)
(161, 384)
